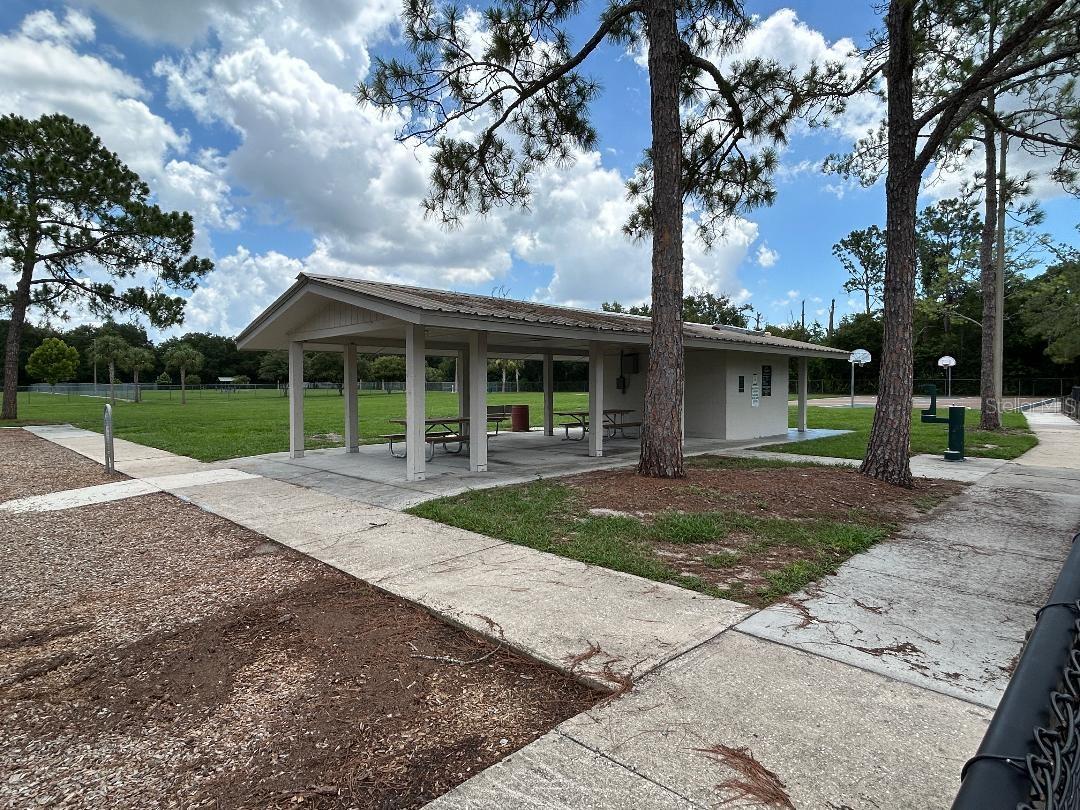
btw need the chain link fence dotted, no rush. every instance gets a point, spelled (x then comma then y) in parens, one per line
(1030, 756)
(156, 392)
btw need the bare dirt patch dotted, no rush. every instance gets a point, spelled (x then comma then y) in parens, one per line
(763, 532)
(30, 465)
(834, 493)
(154, 655)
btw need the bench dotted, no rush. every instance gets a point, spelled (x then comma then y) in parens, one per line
(497, 413)
(620, 427)
(575, 424)
(432, 438)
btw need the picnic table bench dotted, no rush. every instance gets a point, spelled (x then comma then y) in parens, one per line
(614, 423)
(439, 430)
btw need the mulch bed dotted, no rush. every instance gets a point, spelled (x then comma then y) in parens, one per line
(154, 655)
(33, 466)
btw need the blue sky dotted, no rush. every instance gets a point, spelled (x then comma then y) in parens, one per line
(241, 111)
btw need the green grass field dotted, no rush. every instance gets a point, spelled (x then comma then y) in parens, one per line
(1015, 440)
(214, 425)
(550, 516)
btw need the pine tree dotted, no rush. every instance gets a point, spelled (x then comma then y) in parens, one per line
(933, 101)
(67, 204)
(517, 82)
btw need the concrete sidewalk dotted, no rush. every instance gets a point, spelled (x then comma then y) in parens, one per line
(870, 689)
(554, 609)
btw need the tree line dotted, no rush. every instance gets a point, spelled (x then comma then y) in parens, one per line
(124, 352)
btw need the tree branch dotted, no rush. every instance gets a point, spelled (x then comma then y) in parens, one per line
(561, 70)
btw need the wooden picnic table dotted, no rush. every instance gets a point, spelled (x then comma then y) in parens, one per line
(448, 422)
(440, 430)
(614, 421)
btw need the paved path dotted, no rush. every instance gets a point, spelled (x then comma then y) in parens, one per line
(946, 604)
(869, 690)
(552, 608)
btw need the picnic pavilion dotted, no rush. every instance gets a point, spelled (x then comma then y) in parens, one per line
(736, 383)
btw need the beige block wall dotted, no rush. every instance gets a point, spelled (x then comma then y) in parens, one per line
(705, 403)
(634, 395)
(770, 418)
(714, 408)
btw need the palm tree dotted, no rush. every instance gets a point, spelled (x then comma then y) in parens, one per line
(505, 365)
(136, 359)
(110, 348)
(185, 358)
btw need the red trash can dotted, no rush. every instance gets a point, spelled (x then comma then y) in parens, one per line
(519, 418)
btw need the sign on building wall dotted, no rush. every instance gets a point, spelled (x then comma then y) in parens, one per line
(766, 381)
(755, 391)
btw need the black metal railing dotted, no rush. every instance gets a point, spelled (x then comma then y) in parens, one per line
(1030, 756)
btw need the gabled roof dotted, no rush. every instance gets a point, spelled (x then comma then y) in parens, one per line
(507, 312)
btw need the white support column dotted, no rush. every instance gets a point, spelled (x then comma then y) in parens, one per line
(478, 461)
(352, 421)
(596, 399)
(549, 394)
(461, 381)
(802, 394)
(296, 400)
(415, 403)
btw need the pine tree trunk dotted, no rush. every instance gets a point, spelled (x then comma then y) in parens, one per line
(661, 435)
(112, 383)
(135, 380)
(18, 307)
(19, 304)
(999, 274)
(887, 453)
(183, 386)
(990, 418)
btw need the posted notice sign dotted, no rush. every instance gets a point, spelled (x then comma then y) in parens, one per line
(755, 391)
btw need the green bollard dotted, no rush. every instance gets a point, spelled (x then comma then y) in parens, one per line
(956, 433)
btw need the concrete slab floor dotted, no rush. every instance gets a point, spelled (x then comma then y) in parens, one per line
(374, 476)
(836, 736)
